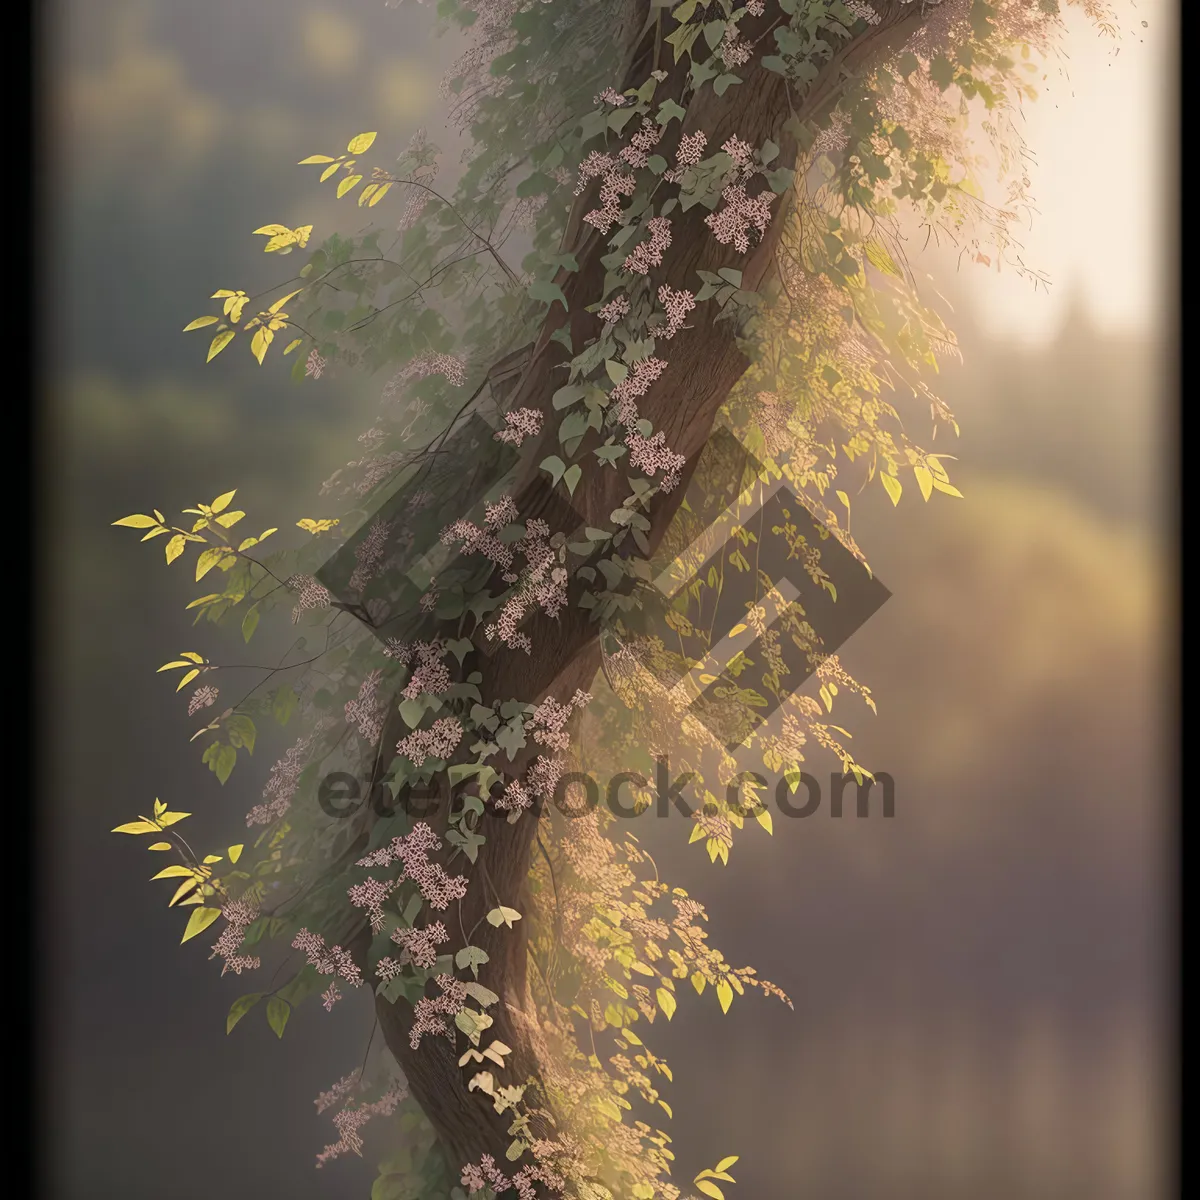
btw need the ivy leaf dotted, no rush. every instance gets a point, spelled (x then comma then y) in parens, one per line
(503, 916)
(572, 476)
(548, 292)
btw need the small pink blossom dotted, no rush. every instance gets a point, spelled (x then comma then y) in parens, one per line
(314, 365)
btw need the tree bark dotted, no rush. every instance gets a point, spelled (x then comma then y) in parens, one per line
(704, 365)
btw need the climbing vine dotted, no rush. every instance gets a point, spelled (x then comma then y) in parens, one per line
(718, 205)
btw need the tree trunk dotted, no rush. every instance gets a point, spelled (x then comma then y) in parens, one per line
(704, 365)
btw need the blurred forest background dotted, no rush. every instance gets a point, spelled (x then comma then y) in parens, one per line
(980, 983)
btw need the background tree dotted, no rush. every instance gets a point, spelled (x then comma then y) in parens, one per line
(678, 275)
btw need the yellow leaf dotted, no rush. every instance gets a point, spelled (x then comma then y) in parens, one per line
(179, 662)
(142, 826)
(667, 1109)
(208, 560)
(186, 886)
(764, 819)
(709, 1189)
(174, 871)
(169, 818)
(379, 195)
(137, 521)
(924, 481)
(666, 1002)
(724, 994)
(726, 1163)
(365, 194)
(739, 628)
(199, 921)
(219, 343)
(948, 488)
(235, 852)
(187, 679)
(292, 345)
(891, 485)
(191, 656)
(161, 846)
(283, 300)
(222, 502)
(273, 230)
(174, 548)
(361, 143)
(314, 158)
(262, 339)
(229, 519)
(330, 170)
(199, 323)
(348, 184)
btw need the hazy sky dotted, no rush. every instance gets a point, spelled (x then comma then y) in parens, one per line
(1102, 141)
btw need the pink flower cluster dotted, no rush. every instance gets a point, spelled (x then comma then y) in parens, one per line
(542, 585)
(452, 368)
(438, 888)
(635, 385)
(677, 304)
(420, 945)
(615, 310)
(430, 675)
(615, 185)
(548, 720)
(521, 423)
(369, 554)
(314, 365)
(438, 741)
(238, 917)
(652, 454)
(690, 152)
(283, 780)
(610, 96)
(739, 214)
(202, 697)
(637, 153)
(475, 1177)
(328, 960)
(310, 594)
(650, 254)
(431, 1013)
(733, 51)
(350, 1121)
(366, 713)
(371, 894)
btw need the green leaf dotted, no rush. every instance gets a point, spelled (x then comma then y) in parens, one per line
(548, 292)
(554, 466)
(278, 1012)
(503, 916)
(284, 704)
(250, 623)
(571, 477)
(240, 1009)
